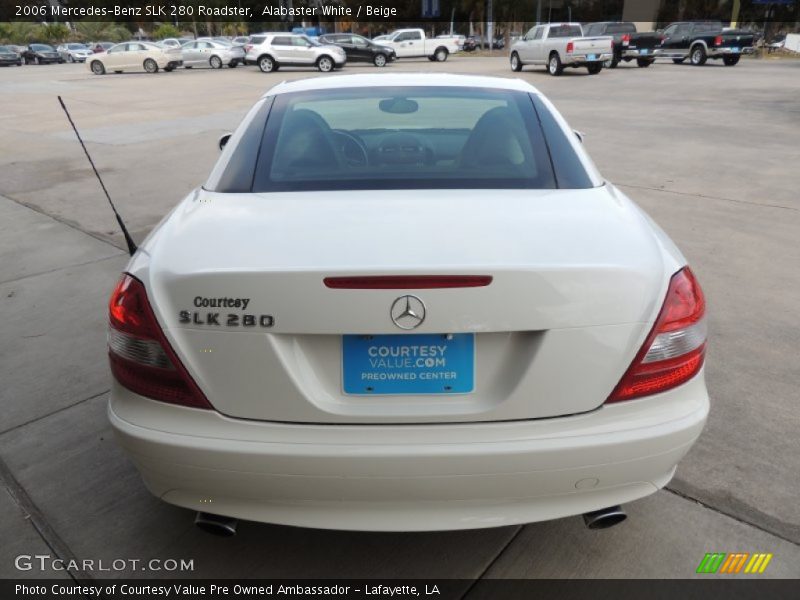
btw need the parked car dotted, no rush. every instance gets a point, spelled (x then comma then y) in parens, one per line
(360, 49)
(287, 49)
(135, 56)
(476, 42)
(211, 53)
(9, 56)
(412, 43)
(699, 41)
(74, 52)
(41, 54)
(240, 40)
(560, 45)
(367, 376)
(628, 43)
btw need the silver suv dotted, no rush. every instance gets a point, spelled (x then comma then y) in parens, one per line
(286, 49)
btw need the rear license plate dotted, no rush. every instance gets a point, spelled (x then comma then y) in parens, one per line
(643, 51)
(592, 57)
(734, 49)
(408, 364)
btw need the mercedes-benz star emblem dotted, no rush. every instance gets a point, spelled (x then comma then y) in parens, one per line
(408, 312)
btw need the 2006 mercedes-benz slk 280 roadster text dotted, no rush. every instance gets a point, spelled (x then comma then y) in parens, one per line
(406, 302)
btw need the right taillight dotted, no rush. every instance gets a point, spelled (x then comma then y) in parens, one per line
(140, 356)
(718, 40)
(674, 351)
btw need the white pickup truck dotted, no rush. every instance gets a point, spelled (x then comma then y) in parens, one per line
(560, 45)
(410, 43)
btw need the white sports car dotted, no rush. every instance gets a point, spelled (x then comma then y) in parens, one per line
(406, 302)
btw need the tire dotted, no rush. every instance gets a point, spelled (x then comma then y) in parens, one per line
(554, 65)
(432, 58)
(169, 69)
(150, 65)
(71, 58)
(215, 62)
(233, 64)
(187, 66)
(98, 68)
(594, 68)
(325, 64)
(678, 61)
(516, 63)
(614, 61)
(698, 55)
(379, 60)
(441, 54)
(266, 64)
(644, 62)
(730, 60)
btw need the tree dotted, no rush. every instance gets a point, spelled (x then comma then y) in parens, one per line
(165, 30)
(55, 33)
(20, 33)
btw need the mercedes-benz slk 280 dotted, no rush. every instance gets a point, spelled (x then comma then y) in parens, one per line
(406, 302)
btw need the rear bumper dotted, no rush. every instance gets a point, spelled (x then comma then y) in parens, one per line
(409, 477)
(718, 52)
(578, 60)
(639, 53)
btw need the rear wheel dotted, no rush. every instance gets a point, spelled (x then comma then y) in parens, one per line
(150, 66)
(644, 62)
(169, 69)
(98, 68)
(678, 61)
(440, 55)
(379, 60)
(325, 64)
(215, 62)
(554, 66)
(516, 63)
(594, 68)
(730, 60)
(698, 55)
(266, 64)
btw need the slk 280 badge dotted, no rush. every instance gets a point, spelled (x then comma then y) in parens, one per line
(216, 319)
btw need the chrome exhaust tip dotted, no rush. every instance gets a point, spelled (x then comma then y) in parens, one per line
(216, 524)
(604, 518)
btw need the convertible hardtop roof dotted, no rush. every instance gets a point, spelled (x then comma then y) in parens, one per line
(401, 80)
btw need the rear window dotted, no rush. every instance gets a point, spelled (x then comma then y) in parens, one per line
(400, 138)
(257, 39)
(620, 28)
(563, 31)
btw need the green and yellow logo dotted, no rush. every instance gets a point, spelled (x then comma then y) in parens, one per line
(735, 562)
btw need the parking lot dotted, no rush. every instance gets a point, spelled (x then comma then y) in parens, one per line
(711, 153)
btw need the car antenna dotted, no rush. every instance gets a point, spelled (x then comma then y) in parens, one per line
(128, 239)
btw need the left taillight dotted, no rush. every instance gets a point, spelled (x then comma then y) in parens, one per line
(718, 40)
(141, 358)
(570, 47)
(675, 350)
